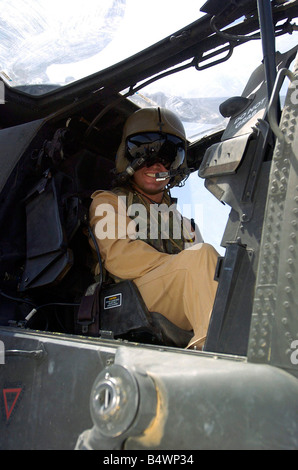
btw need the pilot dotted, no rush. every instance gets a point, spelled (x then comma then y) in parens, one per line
(140, 233)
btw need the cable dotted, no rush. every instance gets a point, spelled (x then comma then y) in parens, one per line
(17, 299)
(38, 307)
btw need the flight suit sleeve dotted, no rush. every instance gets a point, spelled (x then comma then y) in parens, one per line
(123, 255)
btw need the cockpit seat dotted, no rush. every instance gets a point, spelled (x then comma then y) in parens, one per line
(118, 311)
(55, 209)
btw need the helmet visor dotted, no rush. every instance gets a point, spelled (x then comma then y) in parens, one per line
(166, 149)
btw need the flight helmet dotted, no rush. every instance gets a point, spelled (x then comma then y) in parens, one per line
(153, 135)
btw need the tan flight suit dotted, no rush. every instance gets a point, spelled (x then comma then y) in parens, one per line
(178, 285)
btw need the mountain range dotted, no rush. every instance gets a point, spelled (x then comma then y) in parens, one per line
(197, 114)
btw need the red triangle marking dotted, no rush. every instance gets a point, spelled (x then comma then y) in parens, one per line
(6, 391)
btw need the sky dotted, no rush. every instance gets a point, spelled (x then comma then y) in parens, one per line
(96, 33)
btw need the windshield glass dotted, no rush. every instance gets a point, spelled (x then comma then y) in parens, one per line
(58, 42)
(196, 95)
(55, 43)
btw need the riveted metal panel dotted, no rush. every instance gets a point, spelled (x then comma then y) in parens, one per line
(274, 328)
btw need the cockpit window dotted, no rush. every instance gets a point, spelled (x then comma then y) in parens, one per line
(47, 45)
(51, 44)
